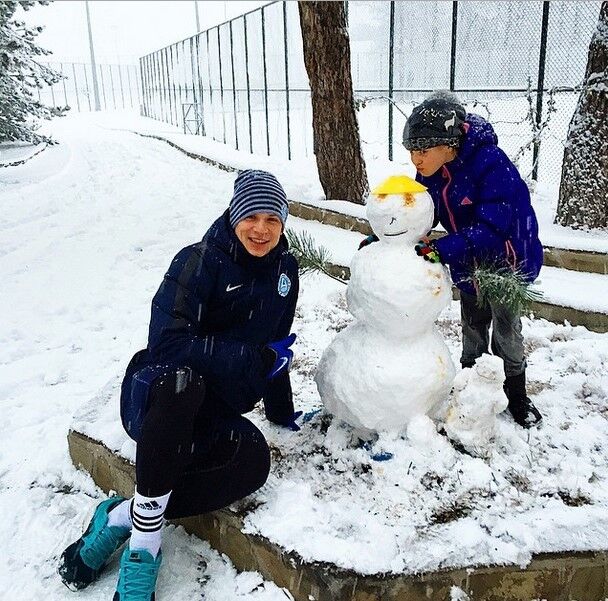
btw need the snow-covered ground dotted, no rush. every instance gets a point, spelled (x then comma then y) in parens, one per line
(88, 229)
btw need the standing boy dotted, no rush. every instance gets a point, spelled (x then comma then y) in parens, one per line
(484, 205)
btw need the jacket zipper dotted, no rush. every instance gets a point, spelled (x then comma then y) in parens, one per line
(444, 194)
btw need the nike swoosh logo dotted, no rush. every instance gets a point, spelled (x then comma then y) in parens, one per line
(230, 288)
(284, 362)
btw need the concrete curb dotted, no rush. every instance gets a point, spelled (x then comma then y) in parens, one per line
(25, 159)
(555, 576)
(596, 322)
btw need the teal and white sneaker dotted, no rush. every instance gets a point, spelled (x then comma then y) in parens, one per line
(138, 573)
(84, 560)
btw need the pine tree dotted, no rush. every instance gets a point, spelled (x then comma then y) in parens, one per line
(20, 75)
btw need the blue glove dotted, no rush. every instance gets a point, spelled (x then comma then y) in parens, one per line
(290, 422)
(366, 241)
(283, 355)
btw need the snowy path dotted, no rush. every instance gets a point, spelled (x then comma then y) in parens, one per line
(87, 231)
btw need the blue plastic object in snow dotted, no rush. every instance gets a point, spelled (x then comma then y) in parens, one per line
(309, 415)
(382, 456)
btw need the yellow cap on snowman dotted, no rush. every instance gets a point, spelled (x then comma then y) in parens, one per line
(398, 184)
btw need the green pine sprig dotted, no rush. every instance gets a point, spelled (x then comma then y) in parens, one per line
(501, 285)
(310, 257)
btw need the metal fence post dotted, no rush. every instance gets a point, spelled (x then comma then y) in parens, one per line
(76, 87)
(193, 74)
(86, 82)
(103, 87)
(219, 60)
(286, 77)
(166, 88)
(144, 84)
(122, 92)
(236, 129)
(161, 104)
(540, 86)
(247, 80)
(210, 87)
(200, 84)
(129, 84)
(265, 81)
(172, 76)
(112, 86)
(453, 45)
(391, 53)
(65, 92)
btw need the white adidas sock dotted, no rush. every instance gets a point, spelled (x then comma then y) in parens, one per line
(147, 517)
(121, 515)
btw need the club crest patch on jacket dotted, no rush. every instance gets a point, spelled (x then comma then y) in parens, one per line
(284, 285)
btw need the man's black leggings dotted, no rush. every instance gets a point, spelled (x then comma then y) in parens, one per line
(208, 458)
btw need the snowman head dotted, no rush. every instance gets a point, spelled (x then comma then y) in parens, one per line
(400, 210)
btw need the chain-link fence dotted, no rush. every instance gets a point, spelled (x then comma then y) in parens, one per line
(118, 87)
(244, 83)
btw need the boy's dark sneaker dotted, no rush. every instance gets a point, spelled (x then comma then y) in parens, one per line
(84, 560)
(138, 573)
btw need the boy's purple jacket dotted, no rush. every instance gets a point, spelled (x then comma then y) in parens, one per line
(484, 205)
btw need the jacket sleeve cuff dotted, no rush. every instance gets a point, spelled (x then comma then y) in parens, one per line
(452, 248)
(278, 400)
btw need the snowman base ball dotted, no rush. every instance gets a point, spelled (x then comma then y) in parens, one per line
(391, 364)
(379, 384)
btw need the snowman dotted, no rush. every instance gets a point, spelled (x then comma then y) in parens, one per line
(391, 364)
(477, 399)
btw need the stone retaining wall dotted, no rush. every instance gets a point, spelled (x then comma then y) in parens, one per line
(596, 322)
(554, 577)
(576, 260)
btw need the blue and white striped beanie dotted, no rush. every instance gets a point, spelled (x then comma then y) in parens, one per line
(257, 191)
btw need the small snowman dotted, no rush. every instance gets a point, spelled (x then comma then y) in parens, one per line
(391, 364)
(477, 398)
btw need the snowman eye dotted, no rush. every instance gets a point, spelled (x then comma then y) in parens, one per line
(408, 200)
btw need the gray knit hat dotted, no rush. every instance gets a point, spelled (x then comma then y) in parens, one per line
(257, 191)
(438, 120)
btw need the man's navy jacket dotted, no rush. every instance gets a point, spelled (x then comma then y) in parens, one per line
(484, 205)
(216, 308)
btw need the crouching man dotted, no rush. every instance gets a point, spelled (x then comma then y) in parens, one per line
(219, 341)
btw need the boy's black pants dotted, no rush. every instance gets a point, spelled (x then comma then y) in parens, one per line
(207, 455)
(507, 341)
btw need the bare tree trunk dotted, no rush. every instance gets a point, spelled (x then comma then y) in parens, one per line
(334, 120)
(583, 194)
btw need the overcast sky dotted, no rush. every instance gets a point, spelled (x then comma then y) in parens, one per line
(124, 30)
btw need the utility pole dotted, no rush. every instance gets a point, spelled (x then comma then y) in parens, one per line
(93, 64)
(198, 21)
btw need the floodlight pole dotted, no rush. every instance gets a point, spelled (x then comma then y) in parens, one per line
(93, 64)
(198, 21)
